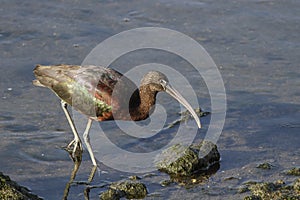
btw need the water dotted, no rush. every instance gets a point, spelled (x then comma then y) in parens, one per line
(255, 45)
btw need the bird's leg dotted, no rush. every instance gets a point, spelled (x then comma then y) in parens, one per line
(76, 142)
(86, 138)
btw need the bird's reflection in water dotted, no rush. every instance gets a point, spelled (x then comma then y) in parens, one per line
(200, 177)
(77, 162)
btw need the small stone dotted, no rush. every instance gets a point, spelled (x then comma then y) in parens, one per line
(125, 19)
(134, 178)
(193, 180)
(294, 171)
(149, 175)
(230, 178)
(264, 166)
(165, 183)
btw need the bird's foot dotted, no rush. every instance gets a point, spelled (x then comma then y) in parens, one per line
(75, 150)
(76, 143)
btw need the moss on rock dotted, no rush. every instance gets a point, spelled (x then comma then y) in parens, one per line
(127, 189)
(11, 190)
(264, 166)
(294, 171)
(274, 191)
(185, 161)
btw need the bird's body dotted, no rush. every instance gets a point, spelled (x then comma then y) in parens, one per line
(102, 93)
(91, 90)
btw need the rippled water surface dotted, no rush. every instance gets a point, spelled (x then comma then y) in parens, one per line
(255, 45)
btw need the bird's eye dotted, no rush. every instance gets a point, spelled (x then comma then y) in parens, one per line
(163, 82)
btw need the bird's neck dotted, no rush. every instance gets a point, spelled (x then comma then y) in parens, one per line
(147, 99)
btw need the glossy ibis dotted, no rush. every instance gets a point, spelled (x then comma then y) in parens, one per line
(100, 94)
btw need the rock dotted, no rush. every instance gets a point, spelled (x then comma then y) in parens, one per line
(185, 161)
(110, 195)
(186, 116)
(294, 171)
(11, 190)
(128, 189)
(264, 166)
(276, 191)
(296, 186)
(165, 183)
(134, 178)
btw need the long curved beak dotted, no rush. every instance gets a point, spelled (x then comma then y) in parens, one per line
(175, 94)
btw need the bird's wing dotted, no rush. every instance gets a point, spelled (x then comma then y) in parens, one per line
(113, 92)
(96, 84)
(93, 90)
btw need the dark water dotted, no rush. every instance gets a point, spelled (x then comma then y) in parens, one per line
(255, 45)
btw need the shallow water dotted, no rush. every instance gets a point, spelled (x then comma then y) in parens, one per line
(255, 45)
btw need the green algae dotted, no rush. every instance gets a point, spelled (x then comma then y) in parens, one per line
(186, 161)
(294, 171)
(127, 189)
(264, 166)
(110, 194)
(12, 191)
(274, 191)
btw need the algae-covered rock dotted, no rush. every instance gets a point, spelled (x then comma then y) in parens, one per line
(128, 189)
(274, 191)
(165, 183)
(111, 194)
(12, 191)
(185, 161)
(265, 165)
(294, 171)
(262, 190)
(186, 116)
(296, 186)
